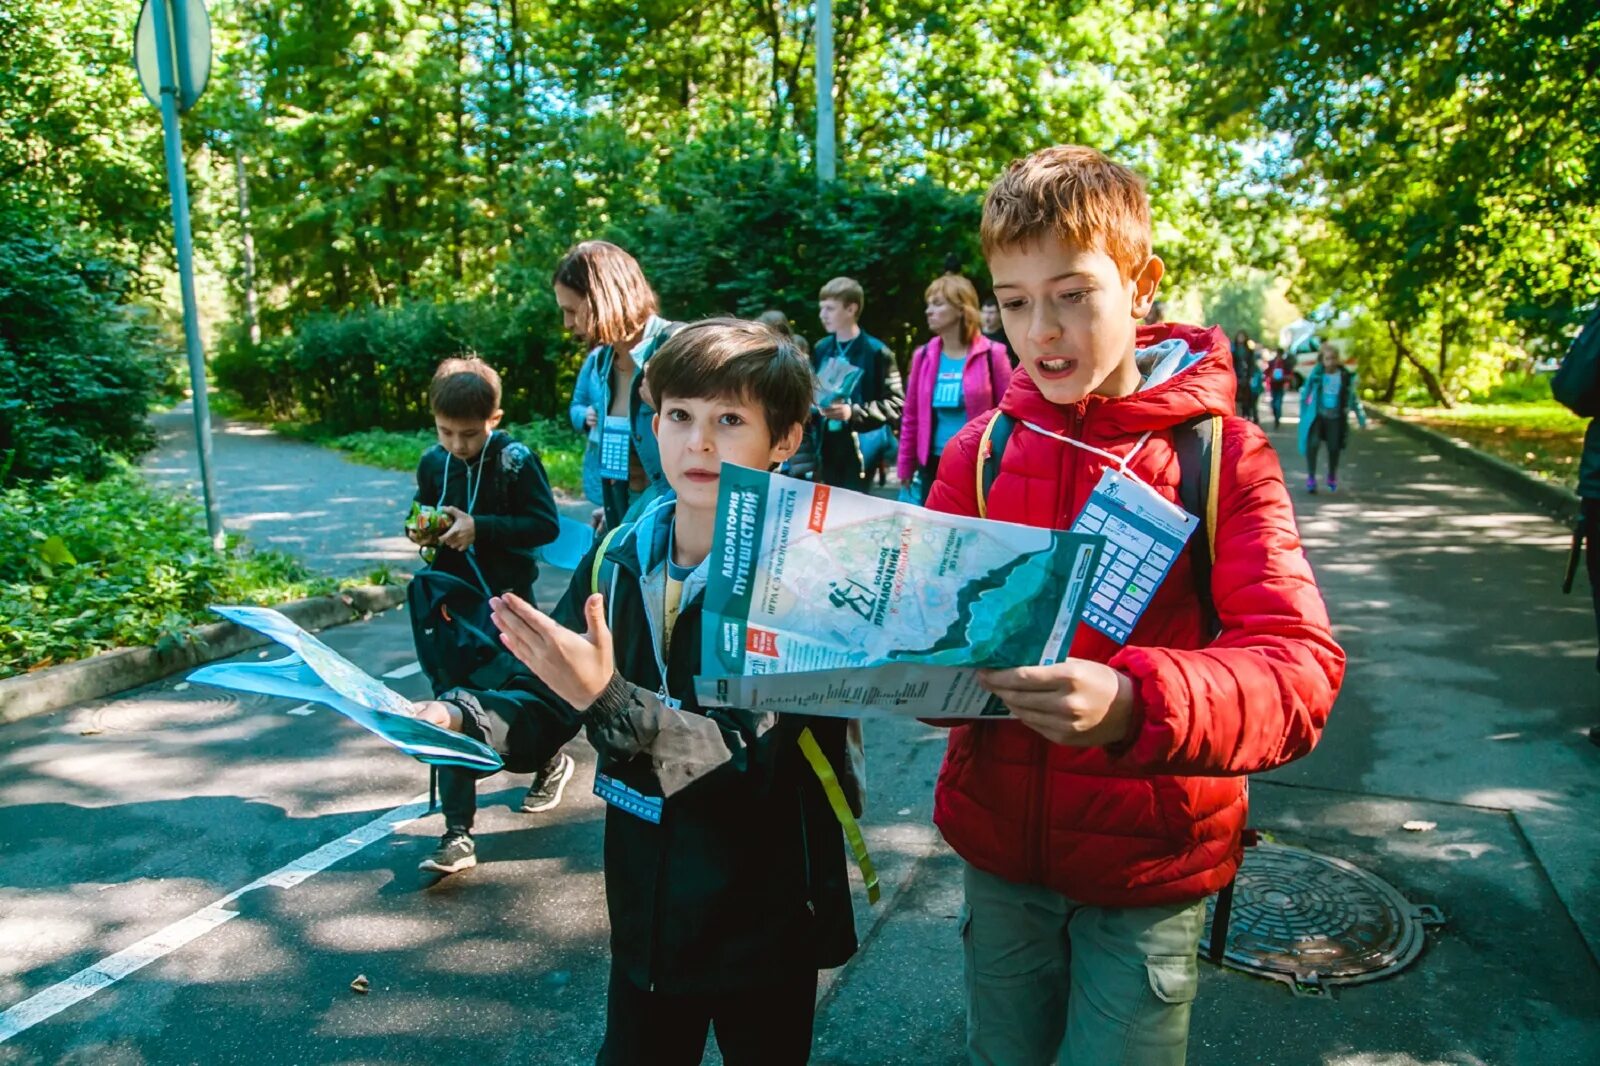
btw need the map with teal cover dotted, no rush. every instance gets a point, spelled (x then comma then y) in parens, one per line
(315, 672)
(806, 579)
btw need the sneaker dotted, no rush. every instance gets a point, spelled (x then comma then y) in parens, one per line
(1333, 484)
(1311, 484)
(456, 852)
(548, 784)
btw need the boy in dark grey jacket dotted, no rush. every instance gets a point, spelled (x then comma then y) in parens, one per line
(724, 861)
(500, 509)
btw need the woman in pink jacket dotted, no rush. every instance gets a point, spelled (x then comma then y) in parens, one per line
(957, 376)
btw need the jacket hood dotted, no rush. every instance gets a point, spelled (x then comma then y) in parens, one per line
(1203, 384)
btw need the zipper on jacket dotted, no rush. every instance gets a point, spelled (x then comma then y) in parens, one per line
(805, 852)
(1040, 797)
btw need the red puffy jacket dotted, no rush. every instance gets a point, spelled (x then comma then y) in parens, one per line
(1157, 820)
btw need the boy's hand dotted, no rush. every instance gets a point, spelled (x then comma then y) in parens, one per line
(577, 668)
(591, 418)
(839, 412)
(462, 532)
(438, 712)
(1079, 703)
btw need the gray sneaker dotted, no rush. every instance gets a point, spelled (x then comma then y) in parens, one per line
(456, 852)
(548, 784)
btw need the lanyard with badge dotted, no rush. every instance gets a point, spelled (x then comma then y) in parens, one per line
(473, 485)
(1144, 532)
(609, 788)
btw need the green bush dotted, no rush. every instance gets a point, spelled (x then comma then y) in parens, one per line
(80, 364)
(370, 369)
(559, 448)
(92, 565)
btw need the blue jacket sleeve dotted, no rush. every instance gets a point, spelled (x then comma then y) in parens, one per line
(585, 394)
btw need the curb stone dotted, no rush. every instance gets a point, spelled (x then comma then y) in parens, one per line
(55, 687)
(1552, 499)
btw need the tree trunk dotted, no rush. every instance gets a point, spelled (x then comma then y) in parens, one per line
(1394, 371)
(247, 253)
(458, 254)
(1429, 380)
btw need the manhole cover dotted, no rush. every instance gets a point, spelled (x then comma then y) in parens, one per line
(1313, 921)
(165, 711)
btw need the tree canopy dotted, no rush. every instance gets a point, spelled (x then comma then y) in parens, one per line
(1427, 170)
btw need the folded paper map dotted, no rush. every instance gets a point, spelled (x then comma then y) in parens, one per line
(824, 601)
(316, 673)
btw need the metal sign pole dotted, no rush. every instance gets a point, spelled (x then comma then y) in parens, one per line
(825, 136)
(162, 15)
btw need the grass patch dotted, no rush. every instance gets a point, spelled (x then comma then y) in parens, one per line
(116, 563)
(1542, 437)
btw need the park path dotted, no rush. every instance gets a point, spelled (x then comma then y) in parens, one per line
(340, 517)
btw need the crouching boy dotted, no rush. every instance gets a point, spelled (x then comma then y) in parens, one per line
(724, 863)
(1096, 822)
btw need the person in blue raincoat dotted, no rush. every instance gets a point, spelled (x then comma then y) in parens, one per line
(1330, 394)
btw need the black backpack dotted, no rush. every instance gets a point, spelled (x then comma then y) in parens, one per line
(454, 635)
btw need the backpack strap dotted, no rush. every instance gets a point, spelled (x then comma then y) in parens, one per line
(991, 446)
(601, 568)
(841, 810)
(1199, 476)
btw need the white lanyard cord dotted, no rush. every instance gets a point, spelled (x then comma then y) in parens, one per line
(473, 484)
(1119, 461)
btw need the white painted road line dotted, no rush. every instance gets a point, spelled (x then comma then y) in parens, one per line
(303, 709)
(113, 968)
(403, 672)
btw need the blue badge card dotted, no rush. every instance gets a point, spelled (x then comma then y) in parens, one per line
(627, 799)
(1144, 534)
(616, 440)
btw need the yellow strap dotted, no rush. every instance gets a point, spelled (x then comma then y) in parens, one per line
(841, 810)
(983, 458)
(1212, 486)
(599, 557)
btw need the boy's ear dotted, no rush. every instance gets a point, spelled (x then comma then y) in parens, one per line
(494, 419)
(655, 425)
(789, 443)
(1145, 282)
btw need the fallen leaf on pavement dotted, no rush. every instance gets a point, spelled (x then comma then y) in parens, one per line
(360, 984)
(1417, 825)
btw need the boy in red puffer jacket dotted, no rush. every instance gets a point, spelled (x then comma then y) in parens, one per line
(1095, 822)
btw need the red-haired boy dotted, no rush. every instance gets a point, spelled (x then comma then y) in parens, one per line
(1095, 823)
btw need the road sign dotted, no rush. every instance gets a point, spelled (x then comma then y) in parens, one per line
(190, 50)
(172, 52)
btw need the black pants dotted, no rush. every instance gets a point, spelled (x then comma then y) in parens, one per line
(458, 794)
(1327, 429)
(1591, 548)
(765, 1026)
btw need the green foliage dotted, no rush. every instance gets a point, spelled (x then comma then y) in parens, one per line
(1540, 435)
(1440, 159)
(558, 447)
(96, 565)
(82, 147)
(370, 368)
(727, 233)
(81, 365)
